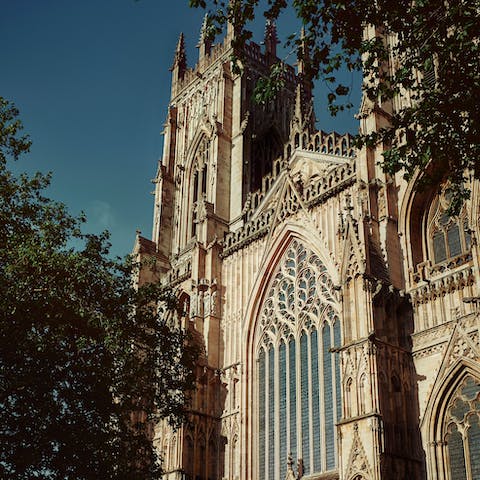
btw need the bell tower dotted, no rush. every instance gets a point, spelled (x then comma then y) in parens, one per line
(218, 145)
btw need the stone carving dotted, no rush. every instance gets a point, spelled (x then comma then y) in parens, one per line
(461, 346)
(213, 303)
(193, 304)
(260, 216)
(301, 291)
(358, 462)
(456, 279)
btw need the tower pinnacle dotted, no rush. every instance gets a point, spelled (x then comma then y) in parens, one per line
(205, 42)
(271, 39)
(180, 58)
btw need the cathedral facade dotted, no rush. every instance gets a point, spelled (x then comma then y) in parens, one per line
(336, 306)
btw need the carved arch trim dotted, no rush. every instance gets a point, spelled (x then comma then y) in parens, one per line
(261, 287)
(276, 249)
(448, 380)
(203, 132)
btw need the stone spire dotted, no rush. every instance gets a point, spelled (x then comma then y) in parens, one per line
(180, 59)
(304, 97)
(179, 66)
(303, 53)
(271, 39)
(205, 42)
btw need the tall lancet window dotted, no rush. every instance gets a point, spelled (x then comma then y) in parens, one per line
(462, 432)
(298, 388)
(199, 181)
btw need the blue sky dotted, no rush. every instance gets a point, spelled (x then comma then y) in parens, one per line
(92, 84)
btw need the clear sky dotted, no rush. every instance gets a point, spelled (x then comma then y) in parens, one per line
(91, 79)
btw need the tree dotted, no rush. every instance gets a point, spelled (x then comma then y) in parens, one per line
(433, 47)
(87, 362)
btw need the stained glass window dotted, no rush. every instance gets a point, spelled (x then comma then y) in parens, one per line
(463, 432)
(299, 378)
(261, 411)
(283, 406)
(448, 236)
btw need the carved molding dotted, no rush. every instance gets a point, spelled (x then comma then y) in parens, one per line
(357, 462)
(261, 212)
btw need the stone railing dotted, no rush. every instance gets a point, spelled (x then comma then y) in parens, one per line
(327, 186)
(331, 143)
(335, 181)
(424, 271)
(181, 270)
(456, 279)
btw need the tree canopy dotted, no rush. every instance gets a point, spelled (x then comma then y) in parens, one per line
(422, 55)
(87, 361)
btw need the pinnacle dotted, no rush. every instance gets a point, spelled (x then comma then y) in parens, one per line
(180, 58)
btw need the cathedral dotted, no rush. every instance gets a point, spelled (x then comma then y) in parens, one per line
(336, 306)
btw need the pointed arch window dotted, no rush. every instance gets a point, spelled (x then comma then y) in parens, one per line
(462, 432)
(298, 376)
(448, 237)
(199, 181)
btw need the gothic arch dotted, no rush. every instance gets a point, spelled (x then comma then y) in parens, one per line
(290, 237)
(203, 133)
(195, 180)
(277, 248)
(434, 423)
(412, 212)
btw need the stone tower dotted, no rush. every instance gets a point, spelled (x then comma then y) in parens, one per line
(335, 305)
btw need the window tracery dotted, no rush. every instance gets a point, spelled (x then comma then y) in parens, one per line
(199, 180)
(462, 428)
(448, 236)
(298, 375)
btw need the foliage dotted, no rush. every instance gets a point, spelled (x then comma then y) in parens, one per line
(86, 361)
(433, 75)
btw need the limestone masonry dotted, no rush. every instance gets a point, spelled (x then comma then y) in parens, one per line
(337, 307)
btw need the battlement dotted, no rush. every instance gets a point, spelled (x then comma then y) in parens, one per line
(253, 53)
(191, 74)
(331, 143)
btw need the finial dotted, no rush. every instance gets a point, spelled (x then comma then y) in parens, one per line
(290, 473)
(205, 42)
(304, 99)
(180, 58)
(302, 52)
(271, 39)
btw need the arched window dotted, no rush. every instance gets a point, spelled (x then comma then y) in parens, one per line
(201, 457)
(448, 237)
(462, 428)
(199, 180)
(297, 373)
